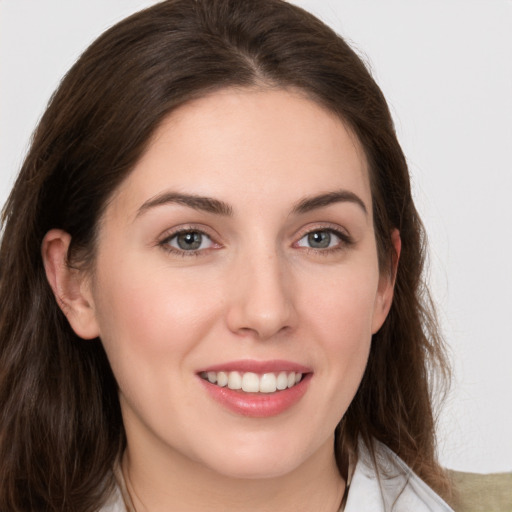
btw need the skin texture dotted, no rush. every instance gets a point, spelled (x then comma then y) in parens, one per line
(255, 290)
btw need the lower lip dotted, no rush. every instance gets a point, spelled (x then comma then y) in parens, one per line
(258, 405)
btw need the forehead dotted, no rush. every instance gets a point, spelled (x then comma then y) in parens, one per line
(250, 145)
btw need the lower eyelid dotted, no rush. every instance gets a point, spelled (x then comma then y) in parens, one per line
(176, 235)
(344, 238)
(343, 241)
(168, 241)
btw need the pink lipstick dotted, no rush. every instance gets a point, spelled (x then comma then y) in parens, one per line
(257, 389)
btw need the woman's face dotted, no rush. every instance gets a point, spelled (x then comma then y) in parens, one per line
(241, 249)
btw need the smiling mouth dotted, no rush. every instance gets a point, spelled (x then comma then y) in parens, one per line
(250, 382)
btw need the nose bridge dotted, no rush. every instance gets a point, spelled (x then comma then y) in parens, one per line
(261, 293)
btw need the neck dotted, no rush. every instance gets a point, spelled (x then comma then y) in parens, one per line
(187, 486)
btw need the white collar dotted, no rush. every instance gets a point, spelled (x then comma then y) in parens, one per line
(393, 487)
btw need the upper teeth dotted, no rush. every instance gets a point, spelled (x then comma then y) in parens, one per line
(253, 382)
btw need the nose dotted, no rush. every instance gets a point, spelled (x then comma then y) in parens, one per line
(261, 302)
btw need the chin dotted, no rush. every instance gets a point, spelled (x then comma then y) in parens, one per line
(255, 469)
(259, 460)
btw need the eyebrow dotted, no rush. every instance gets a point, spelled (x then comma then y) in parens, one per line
(215, 206)
(320, 201)
(206, 204)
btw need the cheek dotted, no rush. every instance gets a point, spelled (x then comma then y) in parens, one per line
(149, 326)
(343, 307)
(152, 314)
(340, 315)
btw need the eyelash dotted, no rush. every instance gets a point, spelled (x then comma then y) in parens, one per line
(165, 243)
(345, 241)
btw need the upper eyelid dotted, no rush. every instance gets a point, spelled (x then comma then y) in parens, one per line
(164, 243)
(323, 226)
(345, 239)
(217, 239)
(318, 230)
(172, 232)
(180, 232)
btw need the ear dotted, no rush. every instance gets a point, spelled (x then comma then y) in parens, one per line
(71, 286)
(384, 297)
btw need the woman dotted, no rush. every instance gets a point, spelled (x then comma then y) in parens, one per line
(211, 287)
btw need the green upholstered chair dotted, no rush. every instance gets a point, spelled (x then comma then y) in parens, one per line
(482, 492)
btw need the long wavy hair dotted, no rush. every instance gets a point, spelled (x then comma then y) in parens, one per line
(61, 428)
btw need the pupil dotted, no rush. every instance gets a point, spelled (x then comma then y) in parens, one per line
(189, 241)
(319, 239)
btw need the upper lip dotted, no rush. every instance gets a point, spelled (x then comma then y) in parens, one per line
(249, 365)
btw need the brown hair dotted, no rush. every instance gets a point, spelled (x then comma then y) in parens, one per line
(60, 422)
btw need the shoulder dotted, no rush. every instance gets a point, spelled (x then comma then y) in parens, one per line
(390, 487)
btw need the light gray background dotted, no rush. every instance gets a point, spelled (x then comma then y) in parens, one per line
(445, 67)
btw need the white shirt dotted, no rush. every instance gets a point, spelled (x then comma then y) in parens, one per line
(393, 488)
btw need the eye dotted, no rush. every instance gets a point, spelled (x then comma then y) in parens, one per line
(322, 239)
(188, 241)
